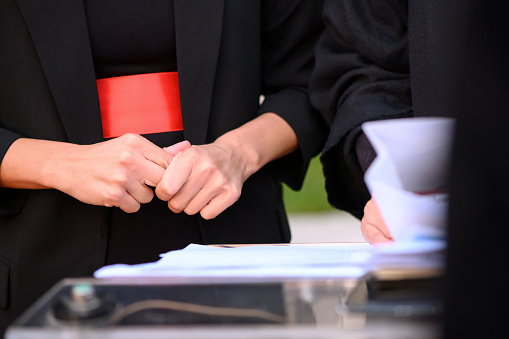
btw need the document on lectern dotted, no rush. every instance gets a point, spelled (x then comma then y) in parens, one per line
(280, 261)
(347, 261)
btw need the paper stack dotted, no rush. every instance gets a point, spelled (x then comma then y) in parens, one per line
(347, 261)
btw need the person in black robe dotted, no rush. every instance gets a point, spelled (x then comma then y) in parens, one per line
(374, 61)
(458, 66)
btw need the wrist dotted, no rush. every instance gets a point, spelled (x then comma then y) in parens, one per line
(241, 152)
(33, 164)
(56, 168)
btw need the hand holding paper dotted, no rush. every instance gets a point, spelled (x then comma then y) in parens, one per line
(373, 226)
(409, 175)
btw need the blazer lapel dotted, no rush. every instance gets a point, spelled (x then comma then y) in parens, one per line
(59, 31)
(198, 26)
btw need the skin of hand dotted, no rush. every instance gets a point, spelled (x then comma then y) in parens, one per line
(203, 178)
(116, 172)
(175, 149)
(373, 226)
(209, 178)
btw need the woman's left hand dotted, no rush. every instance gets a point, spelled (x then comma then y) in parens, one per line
(206, 179)
(209, 178)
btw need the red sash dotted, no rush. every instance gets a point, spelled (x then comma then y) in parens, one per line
(141, 104)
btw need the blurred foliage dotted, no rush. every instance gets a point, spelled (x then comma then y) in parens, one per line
(312, 197)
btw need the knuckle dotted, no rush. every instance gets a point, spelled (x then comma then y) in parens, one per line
(113, 196)
(232, 193)
(176, 205)
(231, 199)
(207, 169)
(125, 157)
(164, 190)
(190, 211)
(190, 153)
(235, 192)
(120, 178)
(220, 182)
(147, 198)
(130, 139)
(131, 209)
(207, 215)
(161, 194)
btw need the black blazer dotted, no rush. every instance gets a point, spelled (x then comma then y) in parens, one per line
(375, 60)
(229, 52)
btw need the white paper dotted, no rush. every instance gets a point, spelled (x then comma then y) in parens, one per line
(408, 254)
(348, 261)
(408, 174)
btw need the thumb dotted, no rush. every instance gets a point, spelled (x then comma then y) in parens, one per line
(178, 147)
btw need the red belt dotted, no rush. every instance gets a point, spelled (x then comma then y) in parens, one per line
(141, 104)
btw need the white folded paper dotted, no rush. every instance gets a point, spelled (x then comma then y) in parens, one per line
(408, 178)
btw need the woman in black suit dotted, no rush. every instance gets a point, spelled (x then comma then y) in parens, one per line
(61, 177)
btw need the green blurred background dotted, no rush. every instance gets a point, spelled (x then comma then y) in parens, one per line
(312, 197)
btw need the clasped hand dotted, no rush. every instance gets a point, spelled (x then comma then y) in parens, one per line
(203, 179)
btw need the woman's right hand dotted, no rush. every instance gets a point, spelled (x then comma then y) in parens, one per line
(116, 172)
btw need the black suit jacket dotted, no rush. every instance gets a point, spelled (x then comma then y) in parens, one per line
(229, 52)
(375, 60)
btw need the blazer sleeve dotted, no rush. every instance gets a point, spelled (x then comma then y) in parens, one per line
(11, 200)
(290, 30)
(361, 74)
